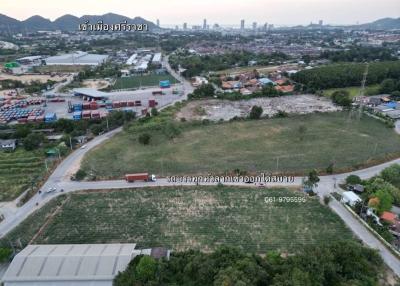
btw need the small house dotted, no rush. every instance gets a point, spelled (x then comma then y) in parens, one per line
(8, 144)
(388, 217)
(356, 188)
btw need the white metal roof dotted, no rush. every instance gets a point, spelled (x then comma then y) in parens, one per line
(77, 58)
(351, 196)
(90, 92)
(69, 264)
(157, 58)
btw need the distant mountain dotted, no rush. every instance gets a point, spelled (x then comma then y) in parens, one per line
(383, 24)
(9, 25)
(67, 22)
(36, 23)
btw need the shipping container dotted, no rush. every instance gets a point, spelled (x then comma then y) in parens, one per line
(95, 114)
(139, 177)
(152, 103)
(86, 114)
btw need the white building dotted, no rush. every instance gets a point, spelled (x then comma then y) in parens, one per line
(157, 59)
(70, 264)
(77, 58)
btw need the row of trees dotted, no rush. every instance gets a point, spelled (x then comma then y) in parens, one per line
(208, 91)
(344, 75)
(197, 64)
(337, 263)
(359, 54)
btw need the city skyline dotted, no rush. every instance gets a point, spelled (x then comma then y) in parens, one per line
(282, 13)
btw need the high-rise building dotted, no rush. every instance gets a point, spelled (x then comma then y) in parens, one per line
(321, 22)
(254, 25)
(205, 24)
(185, 26)
(158, 22)
(265, 28)
(241, 24)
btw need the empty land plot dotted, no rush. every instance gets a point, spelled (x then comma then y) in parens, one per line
(18, 170)
(215, 109)
(140, 81)
(295, 145)
(354, 90)
(182, 218)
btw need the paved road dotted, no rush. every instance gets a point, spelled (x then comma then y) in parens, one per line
(60, 179)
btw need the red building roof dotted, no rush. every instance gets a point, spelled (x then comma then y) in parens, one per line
(388, 216)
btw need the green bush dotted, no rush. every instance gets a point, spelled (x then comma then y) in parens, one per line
(256, 112)
(353, 180)
(144, 139)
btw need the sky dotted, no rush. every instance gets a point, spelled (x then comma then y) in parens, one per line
(223, 12)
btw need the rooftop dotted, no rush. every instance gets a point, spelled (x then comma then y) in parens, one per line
(69, 264)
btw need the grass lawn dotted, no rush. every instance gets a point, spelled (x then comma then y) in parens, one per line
(145, 80)
(354, 90)
(18, 170)
(271, 145)
(182, 218)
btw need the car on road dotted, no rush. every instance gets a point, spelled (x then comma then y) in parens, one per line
(83, 146)
(50, 190)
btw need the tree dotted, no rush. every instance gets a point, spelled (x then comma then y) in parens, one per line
(353, 180)
(378, 184)
(154, 111)
(146, 268)
(387, 86)
(327, 200)
(5, 254)
(205, 90)
(329, 169)
(313, 177)
(144, 138)
(256, 112)
(33, 141)
(385, 201)
(392, 174)
(342, 98)
(80, 175)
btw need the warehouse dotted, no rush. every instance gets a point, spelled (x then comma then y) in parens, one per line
(69, 264)
(77, 58)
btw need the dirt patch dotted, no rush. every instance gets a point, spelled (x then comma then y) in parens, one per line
(33, 77)
(95, 83)
(215, 109)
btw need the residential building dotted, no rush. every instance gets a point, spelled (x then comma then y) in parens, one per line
(8, 144)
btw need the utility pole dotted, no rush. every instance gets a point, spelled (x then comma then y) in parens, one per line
(362, 91)
(70, 142)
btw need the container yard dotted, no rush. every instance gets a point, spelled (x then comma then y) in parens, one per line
(29, 109)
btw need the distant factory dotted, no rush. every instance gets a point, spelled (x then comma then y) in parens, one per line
(141, 60)
(77, 58)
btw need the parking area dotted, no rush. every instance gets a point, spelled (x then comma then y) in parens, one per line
(215, 110)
